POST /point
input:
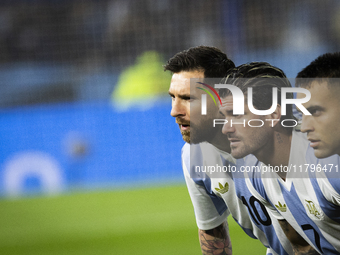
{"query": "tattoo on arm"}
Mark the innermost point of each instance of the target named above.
(300, 246)
(216, 241)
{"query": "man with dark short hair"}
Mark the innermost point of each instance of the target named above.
(322, 78)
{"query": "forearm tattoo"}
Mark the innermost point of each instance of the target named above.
(216, 241)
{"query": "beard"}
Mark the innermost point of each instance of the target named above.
(202, 131)
(186, 136)
(250, 145)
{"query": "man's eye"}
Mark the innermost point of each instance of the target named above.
(237, 115)
(316, 112)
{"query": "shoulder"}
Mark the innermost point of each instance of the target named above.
(191, 155)
(195, 150)
(328, 178)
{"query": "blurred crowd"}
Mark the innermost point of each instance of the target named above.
(108, 35)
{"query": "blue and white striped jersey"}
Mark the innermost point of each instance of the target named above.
(309, 198)
(216, 195)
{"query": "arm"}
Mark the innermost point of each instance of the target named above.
(215, 241)
(210, 211)
(300, 246)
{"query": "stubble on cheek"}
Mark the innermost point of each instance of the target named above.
(237, 151)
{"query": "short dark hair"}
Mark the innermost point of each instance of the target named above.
(211, 60)
(262, 77)
(324, 67)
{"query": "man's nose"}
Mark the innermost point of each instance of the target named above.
(177, 109)
(306, 125)
(227, 128)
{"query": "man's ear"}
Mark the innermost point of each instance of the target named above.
(275, 116)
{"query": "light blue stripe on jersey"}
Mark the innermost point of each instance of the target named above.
(195, 154)
(255, 177)
(333, 174)
(332, 164)
(310, 228)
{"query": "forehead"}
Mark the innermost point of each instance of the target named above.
(319, 90)
(180, 82)
(227, 103)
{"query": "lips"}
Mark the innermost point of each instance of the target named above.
(183, 125)
(313, 142)
(233, 141)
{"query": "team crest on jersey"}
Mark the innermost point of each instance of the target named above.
(281, 207)
(313, 210)
(222, 189)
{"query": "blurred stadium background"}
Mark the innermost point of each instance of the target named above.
(90, 157)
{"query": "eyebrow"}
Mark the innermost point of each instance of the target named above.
(311, 108)
(228, 112)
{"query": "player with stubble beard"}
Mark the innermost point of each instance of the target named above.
(198, 62)
(322, 78)
(287, 178)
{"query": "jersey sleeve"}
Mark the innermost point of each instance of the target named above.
(327, 175)
(210, 210)
(329, 179)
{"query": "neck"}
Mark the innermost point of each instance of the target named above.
(276, 154)
(221, 142)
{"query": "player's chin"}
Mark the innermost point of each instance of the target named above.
(236, 153)
(197, 138)
(186, 136)
(322, 153)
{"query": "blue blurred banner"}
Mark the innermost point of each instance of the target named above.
(63, 147)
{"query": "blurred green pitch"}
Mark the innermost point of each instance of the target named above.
(158, 220)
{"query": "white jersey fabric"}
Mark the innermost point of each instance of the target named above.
(215, 196)
(308, 199)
